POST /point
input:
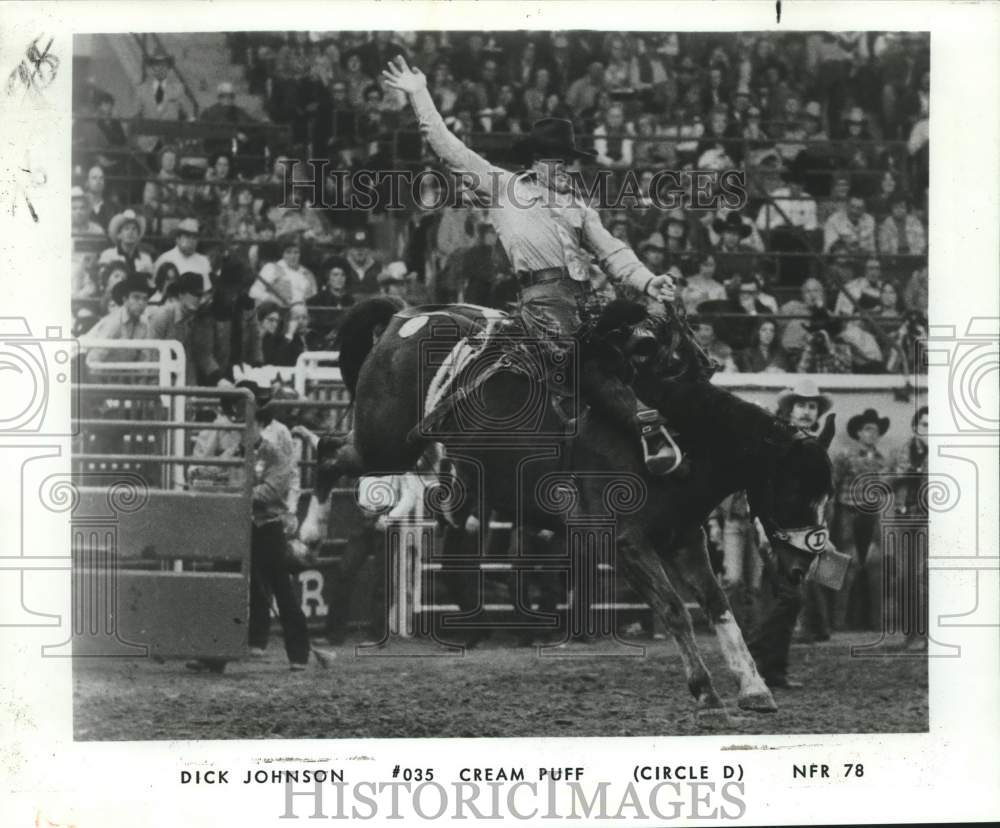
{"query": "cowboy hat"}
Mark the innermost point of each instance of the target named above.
(225, 88)
(859, 421)
(133, 283)
(550, 138)
(360, 238)
(190, 282)
(189, 226)
(732, 223)
(121, 219)
(394, 273)
(804, 389)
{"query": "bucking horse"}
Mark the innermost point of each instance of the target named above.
(541, 467)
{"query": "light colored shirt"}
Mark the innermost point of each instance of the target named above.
(274, 471)
(118, 325)
(286, 285)
(195, 263)
(698, 290)
(538, 229)
(839, 227)
(143, 261)
(847, 305)
(801, 211)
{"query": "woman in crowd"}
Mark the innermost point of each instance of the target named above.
(764, 353)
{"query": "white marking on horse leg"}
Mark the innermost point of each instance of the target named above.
(754, 693)
(317, 520)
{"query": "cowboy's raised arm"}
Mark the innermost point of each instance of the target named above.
(619, 262)
(456, 155)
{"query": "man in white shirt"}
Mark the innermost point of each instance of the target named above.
(286, 281)
(789, 205)
(184, 254)
(851, 225)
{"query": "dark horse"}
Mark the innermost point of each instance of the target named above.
(541, 476)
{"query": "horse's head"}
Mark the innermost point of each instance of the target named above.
(790, 495)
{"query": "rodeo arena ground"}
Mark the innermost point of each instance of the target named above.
(331, 480)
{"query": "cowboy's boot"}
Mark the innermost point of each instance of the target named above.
(660, 452)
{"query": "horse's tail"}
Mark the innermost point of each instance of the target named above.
(358, 331)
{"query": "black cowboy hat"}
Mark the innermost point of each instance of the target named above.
(859, 421)
(733, 223)
(190, 282)
(133, 283)
(551, 138)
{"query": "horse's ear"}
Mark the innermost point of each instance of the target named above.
(827, 432)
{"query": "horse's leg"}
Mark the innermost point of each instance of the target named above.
(690, 562)
(642, 568)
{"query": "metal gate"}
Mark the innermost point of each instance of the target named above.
(161, 564)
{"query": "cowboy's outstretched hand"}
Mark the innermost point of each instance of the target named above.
(400, 76)
(662, 287)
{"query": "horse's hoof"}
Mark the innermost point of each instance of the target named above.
(758, 702)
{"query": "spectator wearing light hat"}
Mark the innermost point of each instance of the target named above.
(286, 281)
(392, 281)
(81, 224)
(184, 254)
(365, 268)
(126, 229)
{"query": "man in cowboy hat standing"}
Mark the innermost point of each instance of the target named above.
(803, 406)
(127, 321)
(856, 470)
(184, 254)
(546, 230)
(126, 229)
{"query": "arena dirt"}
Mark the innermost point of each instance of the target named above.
(495, 690)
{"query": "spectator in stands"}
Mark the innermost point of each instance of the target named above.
(286, 281)
(216, 195)
(102, 207)
(702, 286)
(704, 334)
(272, 338)
(867, 353)
(334, 292)
(763, 353)
(583, 92)
(789, 204)
(297, 336)
(126, 320)
(392, 281)
(239, 220)
(186, 321)
(869, 285)
(851, 225)
(908, 349)
(734, 254)
(364, 267)
(110, 275)
(880, 205)
(795, 335)
(915, 293)
(151, 208)
(840, 189)
(184, 254)
(297, 215)
(652, 252)
(355, 78)
(825, 352)
(611, 139)
(857, 527)
(84, 273)
(225, 111)
(901, 233)
(890, 305)
(857, 150)
(104, 136)
(127, 229)
(81, 220)
(160, 98)
(719, 147)
(165, 282)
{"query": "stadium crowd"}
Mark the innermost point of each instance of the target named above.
(823, 271)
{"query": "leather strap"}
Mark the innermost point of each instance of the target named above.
(546, 274)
